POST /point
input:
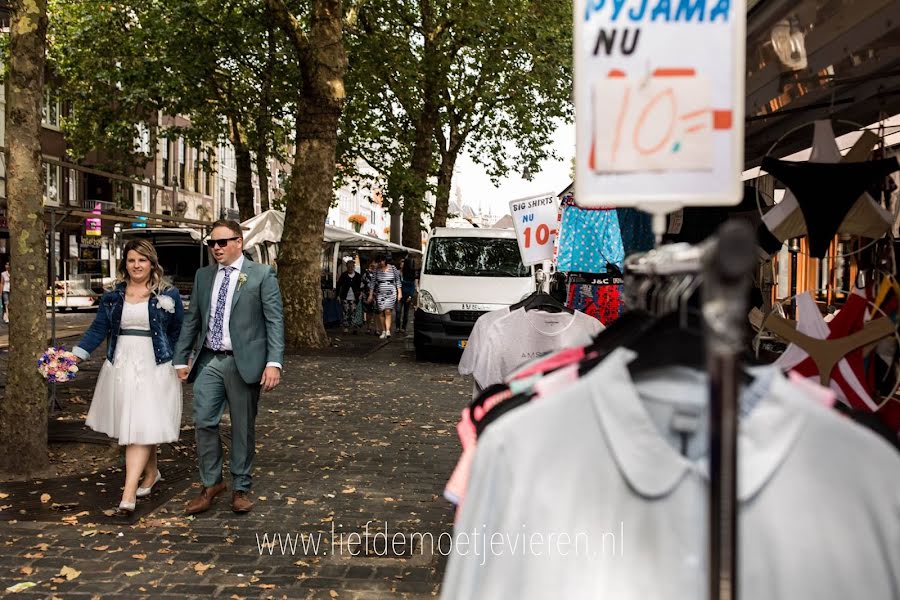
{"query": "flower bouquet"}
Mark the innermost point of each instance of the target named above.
(58, 365)
(357, 220)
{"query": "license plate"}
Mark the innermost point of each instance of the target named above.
(462, 343)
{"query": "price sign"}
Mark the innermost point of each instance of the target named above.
(659, 102)
(535, 223)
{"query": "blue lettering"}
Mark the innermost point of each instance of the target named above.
(592, 7)
(686, 10)
(527, 218)
(639, 15)
(723, 7)
(662, 9)
(617, 8)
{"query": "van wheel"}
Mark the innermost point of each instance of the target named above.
(424, 353)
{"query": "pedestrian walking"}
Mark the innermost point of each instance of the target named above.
(369, 310)
(137, 399)
(386, 293)
(4, 276)
(347, 291)
(408, 287)
(235, 331)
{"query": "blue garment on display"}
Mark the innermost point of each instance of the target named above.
(589, 239)
(637, 230)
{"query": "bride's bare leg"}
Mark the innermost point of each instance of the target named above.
(150, 469)
(136, 456)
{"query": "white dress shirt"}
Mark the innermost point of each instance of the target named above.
(226, 319)
(217, 285)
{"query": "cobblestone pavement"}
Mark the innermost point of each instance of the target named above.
(358, 439)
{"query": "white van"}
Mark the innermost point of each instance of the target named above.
(466, 273)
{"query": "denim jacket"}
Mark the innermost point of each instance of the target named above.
(165, 326)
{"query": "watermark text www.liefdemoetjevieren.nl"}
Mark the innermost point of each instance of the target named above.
(480, 542)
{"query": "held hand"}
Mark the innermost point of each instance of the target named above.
(270, 379)
(183, 374)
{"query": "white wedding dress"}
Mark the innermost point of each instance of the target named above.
(136, 401)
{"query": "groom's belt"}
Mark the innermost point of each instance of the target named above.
(219, 352)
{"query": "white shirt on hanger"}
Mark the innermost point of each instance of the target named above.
(586, 495)
(522, 336)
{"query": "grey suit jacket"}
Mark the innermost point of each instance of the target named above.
(256, 324)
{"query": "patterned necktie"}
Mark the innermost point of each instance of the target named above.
(217, 333)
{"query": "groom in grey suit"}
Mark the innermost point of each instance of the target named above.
(235, 330)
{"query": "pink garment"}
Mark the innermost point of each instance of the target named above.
(823, 395)
(455, 489)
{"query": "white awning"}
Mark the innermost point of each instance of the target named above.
(268, 227)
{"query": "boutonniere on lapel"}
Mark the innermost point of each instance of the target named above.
(166, 303)
(242, 279)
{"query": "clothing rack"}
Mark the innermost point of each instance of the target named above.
(724, 264)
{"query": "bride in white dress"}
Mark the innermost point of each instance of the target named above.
(138, 395)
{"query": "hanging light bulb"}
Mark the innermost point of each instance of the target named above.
(789, 43)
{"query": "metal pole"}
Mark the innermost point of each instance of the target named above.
(54, 401)
(728, 273)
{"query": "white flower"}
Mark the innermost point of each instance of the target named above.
(167, 303)
(242, 279)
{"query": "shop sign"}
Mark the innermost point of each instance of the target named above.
(535, 222)
(94, 227)
(659, 102)
(91, 242)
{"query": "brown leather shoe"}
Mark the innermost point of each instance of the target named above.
(204, 499)
(241, 502)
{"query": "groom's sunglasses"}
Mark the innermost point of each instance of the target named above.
(220, 243)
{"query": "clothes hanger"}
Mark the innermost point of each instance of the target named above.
(539, 300)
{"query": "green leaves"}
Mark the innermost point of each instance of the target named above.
(121, 62)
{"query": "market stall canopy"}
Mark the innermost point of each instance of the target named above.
(809, 60)
(268, 227)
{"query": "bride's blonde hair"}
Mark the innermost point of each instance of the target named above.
(158, 282)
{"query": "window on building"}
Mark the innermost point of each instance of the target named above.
(142, 139)
(165, 161)
(51, 184)
(72, 179)
(182, 164)
(197, 169)
(232, 203)
(50, 111)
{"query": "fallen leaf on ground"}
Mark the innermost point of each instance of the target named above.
(45, 498)
(101, 548)
(3, 496)
(22, 585)
(201, 568)
(26, 570)
(139, 556)
(348, 490)
(333, 594)
(69, 573)
(132, 573)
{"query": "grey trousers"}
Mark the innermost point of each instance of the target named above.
(218, 382)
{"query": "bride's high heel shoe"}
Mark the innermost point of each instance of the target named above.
(143, 492)
(126, 508)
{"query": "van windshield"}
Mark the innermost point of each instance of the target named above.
(475, 257)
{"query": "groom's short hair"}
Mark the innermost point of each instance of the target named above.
(234, 226)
